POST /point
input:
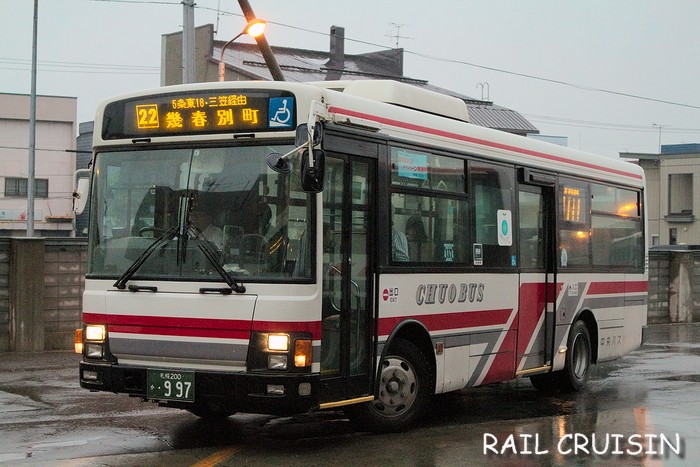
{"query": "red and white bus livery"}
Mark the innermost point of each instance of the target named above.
(279, 248)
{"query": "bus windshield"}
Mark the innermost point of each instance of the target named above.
(255, 220)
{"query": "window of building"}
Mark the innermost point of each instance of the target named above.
(16, 187)
(680, 193)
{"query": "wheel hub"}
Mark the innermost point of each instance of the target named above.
(398, 387)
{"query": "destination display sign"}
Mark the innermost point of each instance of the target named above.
(200, 112)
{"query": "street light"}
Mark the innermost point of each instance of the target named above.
(254, 28)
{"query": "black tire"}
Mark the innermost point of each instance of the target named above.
(403, 395)
(578, 359)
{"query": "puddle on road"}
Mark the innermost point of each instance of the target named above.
(684, 378)
(14, 403)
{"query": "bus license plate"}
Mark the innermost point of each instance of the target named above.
(171, 385)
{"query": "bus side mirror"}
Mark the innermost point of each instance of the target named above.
(312, 176)
(81, 190)
(302, 134)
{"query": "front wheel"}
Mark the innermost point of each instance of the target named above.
(404, 391)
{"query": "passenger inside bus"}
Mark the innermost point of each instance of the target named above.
(419, 247)
(399, 245)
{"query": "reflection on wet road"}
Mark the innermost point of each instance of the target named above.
(645, 403)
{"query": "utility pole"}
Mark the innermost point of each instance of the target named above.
(188, 70)
(264, 47)
(32, 129)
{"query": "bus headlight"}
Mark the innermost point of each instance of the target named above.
(94, 350)
(95, 333)
(277, 351)
(277, 362)
(278, 342)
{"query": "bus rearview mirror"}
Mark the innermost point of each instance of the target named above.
(312, 176)
(302, 134)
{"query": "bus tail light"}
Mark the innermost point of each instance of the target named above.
(302, 353)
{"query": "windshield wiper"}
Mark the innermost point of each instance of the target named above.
(205, 247)
(136, 265)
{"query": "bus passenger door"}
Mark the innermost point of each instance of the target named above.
(347, 279)
(537, 295)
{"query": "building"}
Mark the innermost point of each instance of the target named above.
(54, 164)
(673, 185)
(245, 62)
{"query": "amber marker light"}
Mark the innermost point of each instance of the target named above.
(78, 341)
(302, 353)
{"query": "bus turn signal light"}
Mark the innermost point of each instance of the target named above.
(78, 341)
(302, 353)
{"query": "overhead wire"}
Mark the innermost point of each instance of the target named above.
(135, 69)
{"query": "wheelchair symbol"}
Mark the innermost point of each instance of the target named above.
(281, 109)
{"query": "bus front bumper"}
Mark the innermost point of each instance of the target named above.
(274, 394)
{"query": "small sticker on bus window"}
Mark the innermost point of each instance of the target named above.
(448, 252)
(505, 233)
(478, 254)
(412, 165)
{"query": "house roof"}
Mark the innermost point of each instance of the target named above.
(303, 65)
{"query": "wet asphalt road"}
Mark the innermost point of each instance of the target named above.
(632, 409)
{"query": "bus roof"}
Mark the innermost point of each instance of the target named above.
(412, 114)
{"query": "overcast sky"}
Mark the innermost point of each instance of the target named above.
(611, 75)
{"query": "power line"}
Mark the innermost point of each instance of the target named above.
(426, 56)
(607, 125)
(78, 67)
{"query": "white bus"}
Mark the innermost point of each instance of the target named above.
(280, 248)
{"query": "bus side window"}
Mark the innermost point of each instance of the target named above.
(492, 187)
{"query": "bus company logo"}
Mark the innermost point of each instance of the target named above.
(429, 294)
(391, 294)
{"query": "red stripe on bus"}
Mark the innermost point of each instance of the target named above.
(202, 327)
(483, 142)
(600, 288)
(443, 321)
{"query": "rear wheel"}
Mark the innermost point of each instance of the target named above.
(577, 365)
(403, 394)
(578, 358)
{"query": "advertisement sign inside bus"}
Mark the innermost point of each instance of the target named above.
(202, 112)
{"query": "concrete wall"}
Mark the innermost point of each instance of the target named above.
(41, 287)
(674, 286)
